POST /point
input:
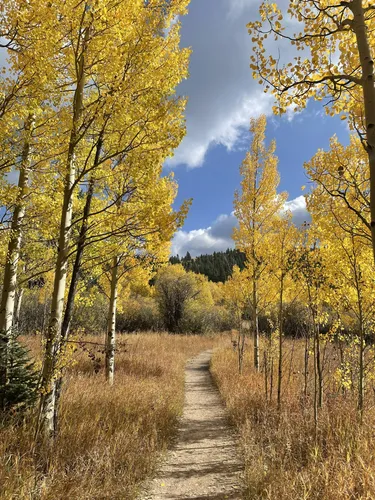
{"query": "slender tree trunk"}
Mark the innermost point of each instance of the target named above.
(306, 366)
(111, 330)
(265, 355)
(17, 313)
(367, 66)
(44, 319)
(361, 377)
(80, 246)
(68, 314)
(315, 385)
(361, 350)
(46, 418)
(280, 370)
(319, 367)
(255, 325)
(8, 295)
(241, 347)
(69, 308)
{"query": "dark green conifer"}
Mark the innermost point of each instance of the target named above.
(20, 389)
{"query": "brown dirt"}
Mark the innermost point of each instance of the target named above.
(203, 464)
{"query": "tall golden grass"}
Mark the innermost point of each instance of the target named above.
(286, 457)
(109, 437)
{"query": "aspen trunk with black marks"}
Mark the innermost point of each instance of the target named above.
(110, 343)
(17, 313)
(367, 65)
(68, 314)
(80, 246)
(69, 308)
(280, 367)
(45, 430)
(8, 294)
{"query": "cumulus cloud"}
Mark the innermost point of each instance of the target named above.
(222, 93)
(298, 209)
(215, 238)
(218, 236)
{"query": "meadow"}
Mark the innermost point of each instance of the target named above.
(109, 437)
(286, 455)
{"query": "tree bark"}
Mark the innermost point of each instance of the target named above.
(8, 295)
(46, 418)
(17, 312)
(111, 330)
(367, 66)
(69, 309)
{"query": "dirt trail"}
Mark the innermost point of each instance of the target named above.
(203, 464)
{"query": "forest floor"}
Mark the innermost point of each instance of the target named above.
(203, 464)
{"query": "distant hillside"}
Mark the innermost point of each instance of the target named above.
(217, 266)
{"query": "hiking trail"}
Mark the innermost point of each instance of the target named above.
(203, 464)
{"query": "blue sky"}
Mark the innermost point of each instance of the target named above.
(222, 99)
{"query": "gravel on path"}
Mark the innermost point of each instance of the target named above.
(203, 464)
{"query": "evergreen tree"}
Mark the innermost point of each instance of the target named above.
(20, 389)
(218, 267)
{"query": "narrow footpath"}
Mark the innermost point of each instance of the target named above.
(203, 464)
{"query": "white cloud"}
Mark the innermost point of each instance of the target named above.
(298, 209)
(215, 238)
(222, 93)
(227, 131)
(218, 237)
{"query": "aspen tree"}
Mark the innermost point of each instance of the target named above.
(309, 270)
(8, 293)
(237, 296)
(338, 66)
(281, 244)
(147, 242)
(340, 208)
(255, 208)
(120, 30)
(342, 187)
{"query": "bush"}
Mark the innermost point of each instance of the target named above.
(139, 314)
(199, 318)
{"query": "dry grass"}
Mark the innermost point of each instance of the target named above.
(285, 458)
(109, 437)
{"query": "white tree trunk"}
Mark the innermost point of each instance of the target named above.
(46, 419)
(8, 295)
(17, 313)
(111, 330)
